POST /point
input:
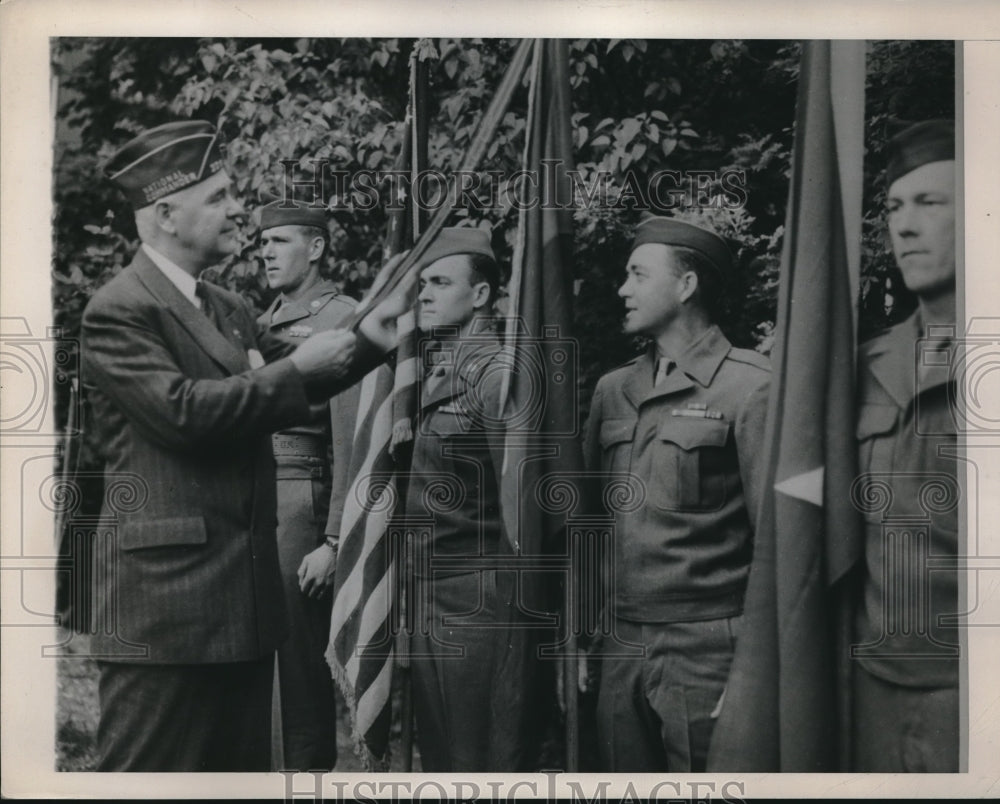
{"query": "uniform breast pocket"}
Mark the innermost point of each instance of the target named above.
(452, 440)
(689, 465)
(616, 444)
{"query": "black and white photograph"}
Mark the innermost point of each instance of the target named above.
(478, 416)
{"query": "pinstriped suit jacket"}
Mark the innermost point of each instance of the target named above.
(193, 574)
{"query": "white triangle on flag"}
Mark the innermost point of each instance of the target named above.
(807, 486)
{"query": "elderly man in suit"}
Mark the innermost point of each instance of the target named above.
(686, 418)
(312, 460)
(906, 679)
(185, 400)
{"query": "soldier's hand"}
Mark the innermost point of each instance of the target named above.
(400, 300)
(381, 278)
(379, 324)
(328, 353)
(317, 570)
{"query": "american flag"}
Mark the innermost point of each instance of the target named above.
(361, 650)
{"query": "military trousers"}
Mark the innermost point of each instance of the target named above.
(308, 735)
(901, 729)
(656, 712)
(453, 654)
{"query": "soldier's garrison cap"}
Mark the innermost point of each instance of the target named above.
(281, 212)
(165, 159)
(917, 145)
(673, 232)
(461, 240)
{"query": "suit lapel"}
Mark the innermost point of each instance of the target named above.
(228, 355)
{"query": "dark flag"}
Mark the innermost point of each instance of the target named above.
(785, 705)
(542, 456)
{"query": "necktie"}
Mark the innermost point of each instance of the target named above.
(663, 366)
(207, 308)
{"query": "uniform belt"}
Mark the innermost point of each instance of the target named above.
(306, 446)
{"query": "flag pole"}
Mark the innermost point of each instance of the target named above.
(418, 134)
(359, 665)
(477, 149)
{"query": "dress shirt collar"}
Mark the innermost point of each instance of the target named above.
(184, 282)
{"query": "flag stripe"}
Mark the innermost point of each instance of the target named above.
(361, 652)
(373, 702)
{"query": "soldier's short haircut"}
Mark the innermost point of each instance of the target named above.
(309, 232)
(485, 269)
(709, 294)
(313, 231)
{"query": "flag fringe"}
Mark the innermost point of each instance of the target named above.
(369, 761)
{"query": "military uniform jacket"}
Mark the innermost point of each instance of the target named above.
(192, 572)
(907, 445)
(693, 446)
(458, 450)
(291, 322)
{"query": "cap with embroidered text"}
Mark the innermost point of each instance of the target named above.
(165, 159)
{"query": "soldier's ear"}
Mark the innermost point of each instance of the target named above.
(480, 295)
(689, 284)
(316, 248)
(163, 216)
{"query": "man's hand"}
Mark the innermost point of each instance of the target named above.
(327, 353)
(379, 325)
(582, 680)
(316, 571)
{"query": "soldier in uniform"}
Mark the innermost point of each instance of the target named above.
(906, 689)
(686, 419)
(458, 648)
(312, 461)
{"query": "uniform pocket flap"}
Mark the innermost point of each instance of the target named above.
(875, 419)
(615, 431)
(689, 432)
(172, 532)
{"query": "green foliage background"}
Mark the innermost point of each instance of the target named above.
(638, 106)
